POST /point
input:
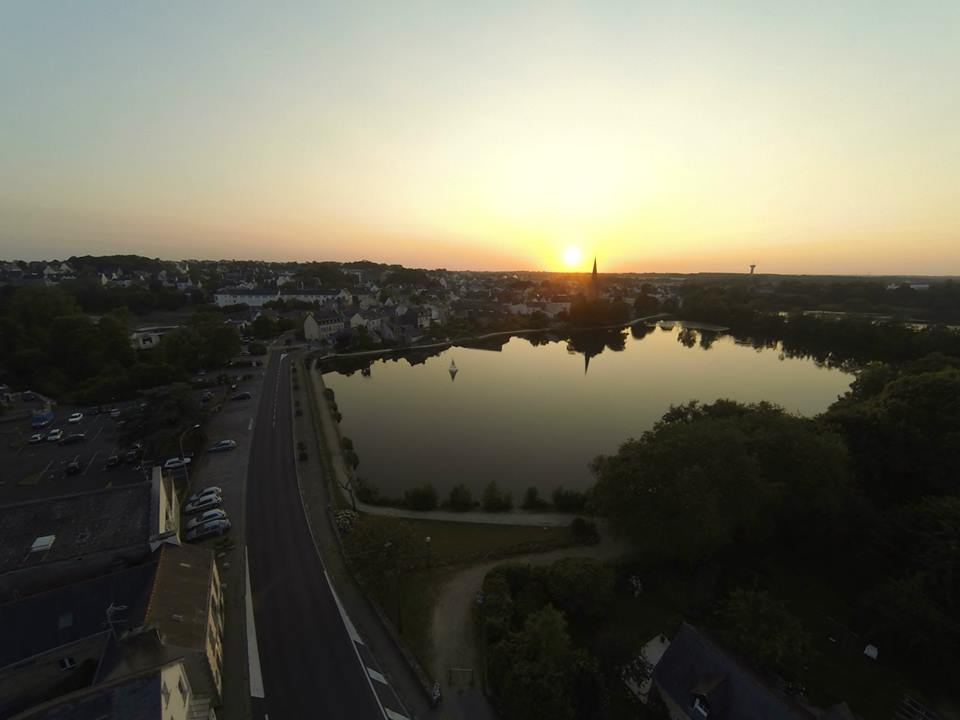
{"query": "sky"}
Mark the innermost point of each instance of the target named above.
(805, 137)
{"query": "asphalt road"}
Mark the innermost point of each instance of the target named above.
(309, 663)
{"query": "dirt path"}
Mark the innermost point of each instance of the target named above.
(453, 631)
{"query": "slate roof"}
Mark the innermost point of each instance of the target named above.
(57, 617)
(83, 523)
(135, 697)
(694, 664)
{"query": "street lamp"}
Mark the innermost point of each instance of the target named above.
(186, 471)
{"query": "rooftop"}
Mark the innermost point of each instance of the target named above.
(134, 696)
(178, 605)
(694, 665)
(58, 617)
(80, 524)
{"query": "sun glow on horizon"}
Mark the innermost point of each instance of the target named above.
(572, 256)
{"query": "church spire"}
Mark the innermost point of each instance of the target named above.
(594, 268)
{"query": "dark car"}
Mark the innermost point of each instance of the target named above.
(92, 411)
(113, 461)
(131, 456)
(74, 466)
(241, 396)
(72, 439)
(209, 529)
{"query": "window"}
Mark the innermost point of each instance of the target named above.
(65, 620)
(67, 663)
(182, 687)
(165, 691)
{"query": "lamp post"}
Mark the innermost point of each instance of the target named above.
(186, 471)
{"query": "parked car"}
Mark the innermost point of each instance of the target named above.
(115, 413)
(74, 466)
(131, 456)
(223, 445)
(113, 461)
(213, 490)
(206, 517)
(73, 438)
(241, 396)
(176, 462)
(54, 435)
(210, 529)
(36, 437)
(207, 502)
(75, 418)
(92, 410)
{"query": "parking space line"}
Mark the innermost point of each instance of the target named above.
(90, 464)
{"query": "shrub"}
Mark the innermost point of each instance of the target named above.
(422, 497)
(461, 499)
(346, 443)
(495, 499)
(584, 531)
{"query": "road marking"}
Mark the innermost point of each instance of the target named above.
(351, 630)
(250, 426)
(90, 464)
(394, 715)
(253, 652)
(99, 430)
(377, 676)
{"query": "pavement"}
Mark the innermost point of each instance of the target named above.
(305, 656)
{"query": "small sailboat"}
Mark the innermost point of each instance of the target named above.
(453, 370)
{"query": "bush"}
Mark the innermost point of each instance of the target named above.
(584, 531)
(569, 501)
(461, 499)
(422, 497)
(346, 443)
(532, 500)
(495, 499)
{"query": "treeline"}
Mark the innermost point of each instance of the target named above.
(863, 499)
(829, 340)
(48, 343)
(940, 302)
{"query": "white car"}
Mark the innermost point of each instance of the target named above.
(205, 517)
(37, 437)
(207, 502)
(223, 445)
(115, 413)
(210, 529)
(54, 435)
(214, 490)
(75, 418)
(176, 462)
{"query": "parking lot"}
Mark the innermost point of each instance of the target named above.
(32, 470)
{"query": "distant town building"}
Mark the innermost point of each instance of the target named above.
(147, 338)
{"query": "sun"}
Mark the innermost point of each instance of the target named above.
(572, 256)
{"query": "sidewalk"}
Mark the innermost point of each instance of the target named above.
(316, 497)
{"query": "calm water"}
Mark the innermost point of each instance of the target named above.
(536, 415)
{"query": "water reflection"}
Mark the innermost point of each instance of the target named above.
(533, 410)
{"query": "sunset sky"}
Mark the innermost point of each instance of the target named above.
(818, 137)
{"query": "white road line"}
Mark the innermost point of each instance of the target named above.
(90, 464)
(351, 630)
(377, 676)
(253, 652)
(99, 430)
(250, 426)
(394, 715)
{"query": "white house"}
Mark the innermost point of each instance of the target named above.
(147, 338)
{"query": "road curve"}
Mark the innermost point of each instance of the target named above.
(309, 664)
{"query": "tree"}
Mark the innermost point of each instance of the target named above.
(423, 497)
(263, 327)
(460, 499)
(535, 673)
(581, 587)
(532, 500)
(495, 499)
(707, 473)
(761, 629)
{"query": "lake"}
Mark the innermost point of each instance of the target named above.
(534, 413)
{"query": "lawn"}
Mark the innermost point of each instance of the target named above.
(454, 543)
